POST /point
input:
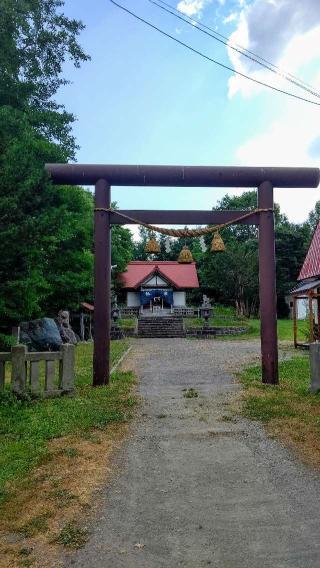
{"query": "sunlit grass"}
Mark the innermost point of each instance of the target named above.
(289, 410)
(27, 425)
(285, 327)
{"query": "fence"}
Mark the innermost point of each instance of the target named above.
(186, 312)
(25, 371)
(126, 312)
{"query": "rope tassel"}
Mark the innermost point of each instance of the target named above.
(152, 246)
(217, 244)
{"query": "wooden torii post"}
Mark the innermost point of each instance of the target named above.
(105, 176)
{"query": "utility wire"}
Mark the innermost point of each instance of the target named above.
(295, 81)
(241, 49)
(210, 58)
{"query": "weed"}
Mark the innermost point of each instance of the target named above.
(26, 551)
(35, 525)
(62, 497)
(227, 418)
(190, 393)
(26, 562)
(203, 418)
(72, 536)
(161, 416)
(70, 452)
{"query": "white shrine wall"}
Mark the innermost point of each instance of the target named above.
(179, 299)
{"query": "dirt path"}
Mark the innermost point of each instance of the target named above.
(193, 487)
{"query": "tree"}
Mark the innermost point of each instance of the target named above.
(46, 231)
(233, 276)
(36, 39)
(314, 217)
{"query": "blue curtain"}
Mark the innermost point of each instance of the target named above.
(147, 295)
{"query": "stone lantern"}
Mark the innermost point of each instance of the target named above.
(115, 314)
(116, 331)
(206, 310)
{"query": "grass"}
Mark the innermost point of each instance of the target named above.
(27, 426)
(216, 321)
(190, 393)
(285, 328)
(72, 536)
(36, 525)
(289, 410)
(128, 323)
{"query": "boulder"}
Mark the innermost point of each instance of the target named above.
(40, 335)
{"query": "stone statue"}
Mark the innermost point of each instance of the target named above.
(65, 329)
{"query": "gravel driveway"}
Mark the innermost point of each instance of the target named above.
(195, 488)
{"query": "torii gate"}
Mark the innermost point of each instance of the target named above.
(105, 176)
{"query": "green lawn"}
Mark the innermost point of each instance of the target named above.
(289, 410)
(285, 327)
(265, 402)
(128, 323)
(27, 426)
(217, 321)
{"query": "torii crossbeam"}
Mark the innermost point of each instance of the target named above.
(105, 176)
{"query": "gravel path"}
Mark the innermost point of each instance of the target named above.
(195, 488)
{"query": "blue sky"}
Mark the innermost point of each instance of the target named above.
(144, 99)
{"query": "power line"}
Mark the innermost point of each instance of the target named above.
(210, 58)
(191, 22)
(234, 46)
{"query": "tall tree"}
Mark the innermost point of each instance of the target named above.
(233, 276)
(45, 230)
(36, 38)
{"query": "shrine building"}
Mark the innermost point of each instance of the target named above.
(158, 285)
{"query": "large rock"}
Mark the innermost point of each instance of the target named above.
(40, 335)
(66, 332)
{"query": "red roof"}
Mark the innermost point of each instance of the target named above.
(178, 275)
(311, 265)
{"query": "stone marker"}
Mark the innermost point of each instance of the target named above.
(19, 375)
(315, 366)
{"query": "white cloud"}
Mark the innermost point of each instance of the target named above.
(191, 7)
(231, 18)
(289, 141)
(285, 33)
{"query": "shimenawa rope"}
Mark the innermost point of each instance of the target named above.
(183, 232)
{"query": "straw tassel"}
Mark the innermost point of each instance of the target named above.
(217, 244)
(185, 256)
(152, 246)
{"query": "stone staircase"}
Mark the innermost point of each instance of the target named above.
(164, 326)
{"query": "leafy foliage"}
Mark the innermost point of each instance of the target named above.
(36, 39)
(46, 260)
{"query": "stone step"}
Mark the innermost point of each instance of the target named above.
(143, 324)
(152, 336)
(161, 327)
(161, 335)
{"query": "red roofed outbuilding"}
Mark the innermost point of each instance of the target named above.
(306, 295)
(160, 284)
(311, 265)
